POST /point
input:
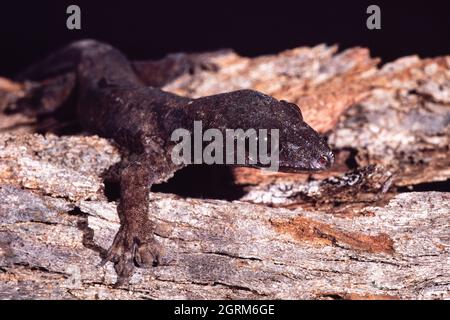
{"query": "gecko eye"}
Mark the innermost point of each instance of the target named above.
(293, 107)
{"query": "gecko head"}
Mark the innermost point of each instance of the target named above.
(300, 147)
(297, 147)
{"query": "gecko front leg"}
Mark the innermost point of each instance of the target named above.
(134, 244)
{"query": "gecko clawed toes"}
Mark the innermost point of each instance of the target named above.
(148, 254)
(132, 249)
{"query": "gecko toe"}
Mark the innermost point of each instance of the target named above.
(124, 268)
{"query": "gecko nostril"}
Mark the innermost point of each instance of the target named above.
(323, 161)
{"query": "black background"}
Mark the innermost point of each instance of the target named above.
(147, 29)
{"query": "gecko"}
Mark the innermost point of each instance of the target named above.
(123, 101)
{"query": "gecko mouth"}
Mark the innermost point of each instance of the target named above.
(322, 162)
(288, 169)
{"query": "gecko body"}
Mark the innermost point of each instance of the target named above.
(117, 101)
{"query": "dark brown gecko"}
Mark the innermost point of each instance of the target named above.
(120, 100)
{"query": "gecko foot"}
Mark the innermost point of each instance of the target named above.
(130, 249)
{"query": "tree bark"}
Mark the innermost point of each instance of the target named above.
(55, 223)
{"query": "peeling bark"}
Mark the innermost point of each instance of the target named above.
(397, 115)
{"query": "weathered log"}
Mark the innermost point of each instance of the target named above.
(55, 224)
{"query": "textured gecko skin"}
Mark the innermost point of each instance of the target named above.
(115, 99)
